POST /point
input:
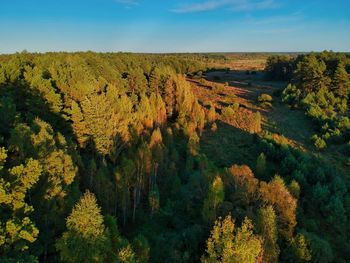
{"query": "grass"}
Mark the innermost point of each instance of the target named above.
(229, 145)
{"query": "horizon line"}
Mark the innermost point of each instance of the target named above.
(169, 52)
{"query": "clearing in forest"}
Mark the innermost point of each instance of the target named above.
(230, 144)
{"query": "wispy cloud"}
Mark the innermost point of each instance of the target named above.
(234, 5)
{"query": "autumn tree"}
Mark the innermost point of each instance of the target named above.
(227, 244)
(276, 194)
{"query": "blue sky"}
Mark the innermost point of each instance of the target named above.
(174, 25)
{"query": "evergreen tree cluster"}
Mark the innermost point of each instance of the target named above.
(320, 85)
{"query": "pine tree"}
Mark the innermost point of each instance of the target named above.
(107, 117)
(311, 74)
(169, 97)
(154, 80)
(85, 239)
(301, 248)
(216, 195)
(79, 127)
(341, 81)
(267, 226)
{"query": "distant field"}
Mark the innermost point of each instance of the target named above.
(240, 61)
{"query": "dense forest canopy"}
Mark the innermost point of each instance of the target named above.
(101, 161)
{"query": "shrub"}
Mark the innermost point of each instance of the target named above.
(202, 81)
(266, 105)
(228, 113)
(235, 106)
(319, 142)
(265, 98)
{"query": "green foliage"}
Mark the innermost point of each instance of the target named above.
(319, 142)
(279, 67)
(294, 189)
(301, 248)
(85, 238)
(341, 81)
(321, 86)
(321, 250)
(310, 74)
(227, 244)
(216, 195)
(261, 165)
(7, 114)
(142, 248)
(267, 226)
(129, 129)
(17, 230)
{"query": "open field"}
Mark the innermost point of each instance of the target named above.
(224, 88)
(241, 61)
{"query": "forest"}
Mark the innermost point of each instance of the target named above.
(123, 157)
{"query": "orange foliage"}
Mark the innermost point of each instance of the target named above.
(246, 120)
(277, 194)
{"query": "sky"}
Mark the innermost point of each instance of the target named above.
(160, 26)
